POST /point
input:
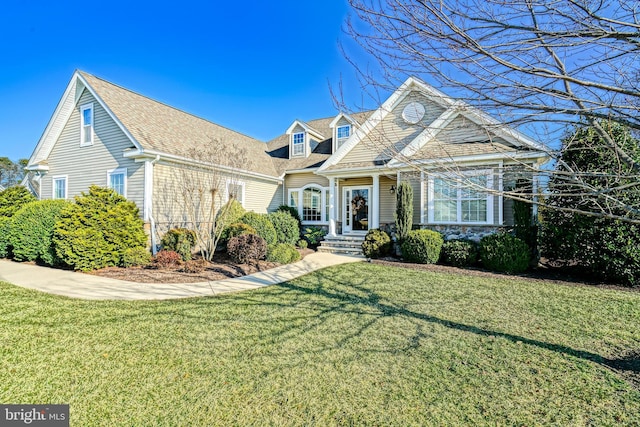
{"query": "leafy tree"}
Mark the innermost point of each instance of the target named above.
(11, 173)
(609, 248)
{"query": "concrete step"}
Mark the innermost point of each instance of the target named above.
(346, 245)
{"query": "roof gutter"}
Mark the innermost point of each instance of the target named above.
(142, 155)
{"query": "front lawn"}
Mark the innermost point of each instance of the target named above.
(358, 344)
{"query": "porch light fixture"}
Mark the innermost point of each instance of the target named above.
(392, 189)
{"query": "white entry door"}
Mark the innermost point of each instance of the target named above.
(355, 212)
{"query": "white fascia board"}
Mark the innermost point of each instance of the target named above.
(307, 129)
(37, 168)
(474, 158)
(386, 107)
(293, 171)
(431, 131)
(335, 121)
(60, 116)
(109, 112)
(143, 155)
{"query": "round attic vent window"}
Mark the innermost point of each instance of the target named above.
(413, 113)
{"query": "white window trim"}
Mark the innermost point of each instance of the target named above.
(116, 172)
(324, 220)
(456, 177)
(241, 184)
(66, 186)
(337, 140)
(83, 108)
(304, 144)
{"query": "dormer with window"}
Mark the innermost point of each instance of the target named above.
(301, 137)
(342, 127)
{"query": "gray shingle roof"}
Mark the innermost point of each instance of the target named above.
(279, 146)
(159, 127)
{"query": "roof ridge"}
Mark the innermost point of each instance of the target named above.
(169, 106)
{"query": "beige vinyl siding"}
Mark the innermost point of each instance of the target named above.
(393, 133)
(88, 165)
(387, 200)
(259, 195)
(299, 180)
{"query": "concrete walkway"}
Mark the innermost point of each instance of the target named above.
(86, 286)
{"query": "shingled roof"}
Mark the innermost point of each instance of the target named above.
(279, 146)
(162, 128)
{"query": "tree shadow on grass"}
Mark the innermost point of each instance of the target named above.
(345, 297)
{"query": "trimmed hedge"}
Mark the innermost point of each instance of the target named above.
(32, 228)
(14, 198)
(422, 246)
(5, 229)
(247, 248)
(283, 253)
(459, 253)
(503, 252)
(376, 243)
(263, 226)
(181, 240)
(287, 228)
(95, 231)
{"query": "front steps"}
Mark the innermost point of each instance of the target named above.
(342, 245)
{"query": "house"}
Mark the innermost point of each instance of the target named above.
(340, 172)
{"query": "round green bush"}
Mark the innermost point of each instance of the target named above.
(303, 244)
(376, 243)
(136, 257)
(422, 246)
(5, 230)
(247, 248)
(263, 226)
(14, 198)
(287, 229)
(459, 253)
(238, 229)
(95, 231)
(32, 230)
(282, 253)
(230, 213)
(504, 253)
(181, 240)
(292, 211)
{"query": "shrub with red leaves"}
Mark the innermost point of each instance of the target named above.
(247, 248)
(167, 259)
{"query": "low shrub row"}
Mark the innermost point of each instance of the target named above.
(500, 252)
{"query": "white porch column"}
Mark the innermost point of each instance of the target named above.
(375, 202)
(332, 206)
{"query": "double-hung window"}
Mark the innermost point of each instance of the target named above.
(298, 144)
(342, 134)
(86, 124)
(117, 180)
(464, 199)
(59, 187)
(235, 190)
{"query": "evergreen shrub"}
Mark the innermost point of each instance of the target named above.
(287, 228)
(376, 243)
(181, 240)
(505, 253)
(459, 253)
(282, 253)
(262, 225)
(247, 248)
(422, 246)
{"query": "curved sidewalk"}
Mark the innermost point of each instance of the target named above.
(86, 286)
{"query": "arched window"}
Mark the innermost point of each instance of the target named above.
(311, 202)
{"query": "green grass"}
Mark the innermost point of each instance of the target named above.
(358, 344)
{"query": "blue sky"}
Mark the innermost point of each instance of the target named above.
(253, 66)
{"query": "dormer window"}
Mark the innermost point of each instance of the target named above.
(342, 134)
(298, 144)
(86, 125)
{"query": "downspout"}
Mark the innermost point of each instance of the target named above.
(152, 221)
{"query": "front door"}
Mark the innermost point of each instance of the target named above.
(355, 215)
